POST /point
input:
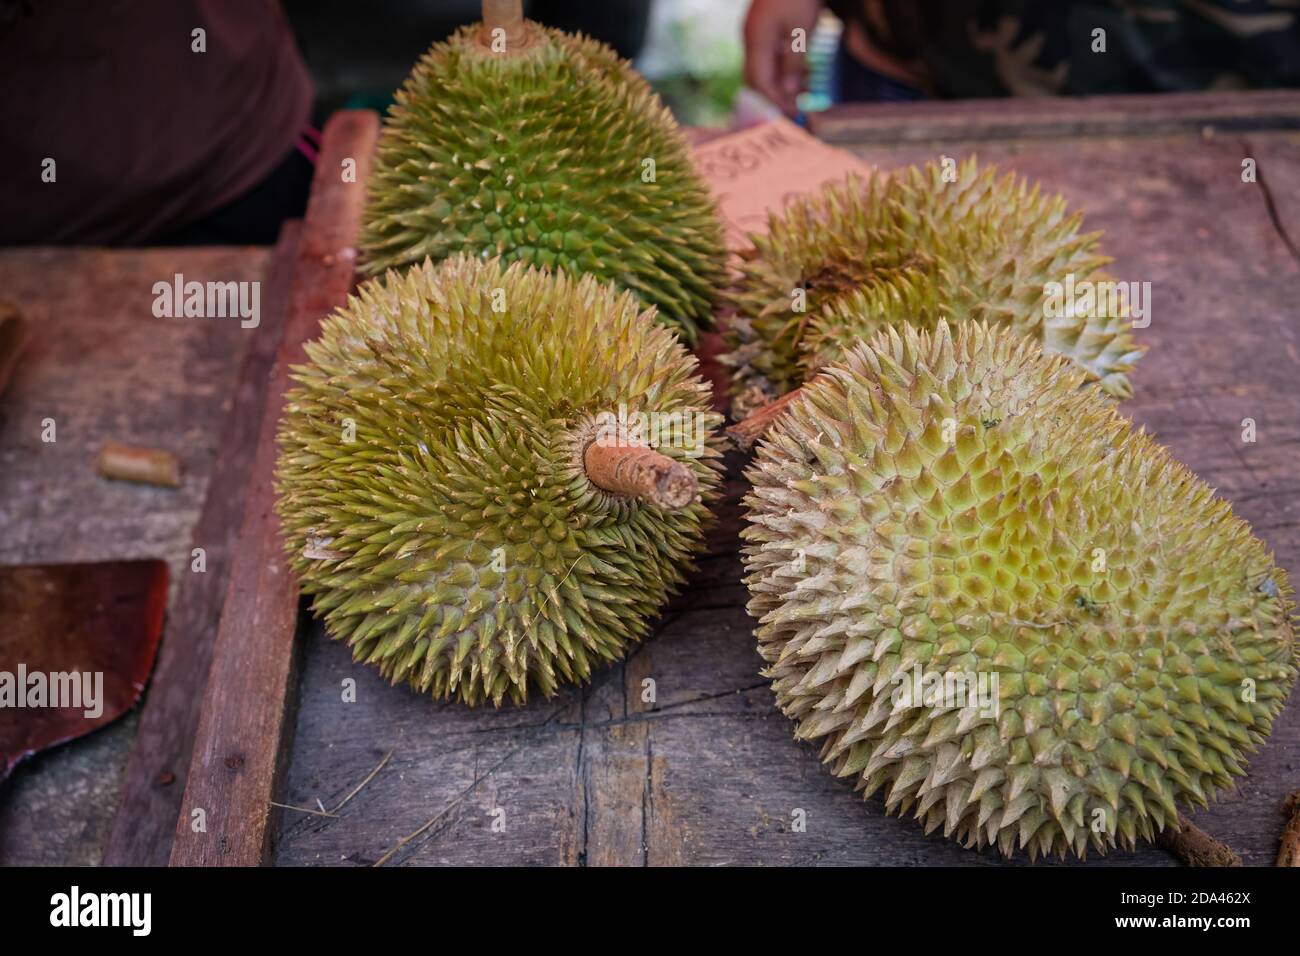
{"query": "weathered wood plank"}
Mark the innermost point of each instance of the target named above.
(154, 781)
(1052, 117)
(710, 773)
(102, 366)
(238, 748)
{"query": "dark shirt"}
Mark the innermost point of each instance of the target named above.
(1026, 47)
(147, 135)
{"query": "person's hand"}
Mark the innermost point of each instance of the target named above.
(771, 65)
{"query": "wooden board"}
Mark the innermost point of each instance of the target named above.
(709, 773)
(226, 816)
(1052, 117)
(102, 366)
(154, 780)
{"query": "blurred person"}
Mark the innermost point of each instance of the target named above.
(157, 141)
(155, 136)
(913, 49)
(359, 66)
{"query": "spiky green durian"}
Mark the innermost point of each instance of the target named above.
(907, 246)
(930, 507)
(556, 153)
(432, 486)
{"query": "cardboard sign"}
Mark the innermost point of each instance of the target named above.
(760, 168)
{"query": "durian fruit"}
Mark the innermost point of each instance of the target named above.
(907, 246)
(549, 149)
(932, 507)
(465, 480)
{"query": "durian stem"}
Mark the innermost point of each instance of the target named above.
(749, 431)
(1194, 846)
(507, 15)
(1288, 854)
(640, 472)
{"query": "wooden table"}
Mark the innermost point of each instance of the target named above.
(102, 366)
(709, 773)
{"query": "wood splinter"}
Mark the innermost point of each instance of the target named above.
(1288, 853)
(146, 466)
(1194, 846)
(747, 433)
(640, 472)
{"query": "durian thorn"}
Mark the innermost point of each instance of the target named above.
(640, 472)
(746, 433)
(506, 15)
(317, 548)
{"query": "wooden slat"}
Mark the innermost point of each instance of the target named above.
(240, 740)
(154, 782)
(970, 121)
(104, 367)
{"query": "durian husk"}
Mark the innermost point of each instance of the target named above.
(555, 153)
(432, 486)
(906, 246)
(959, 504)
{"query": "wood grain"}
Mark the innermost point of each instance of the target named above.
(154, 780)
(1055, 117)
(238, 748)
(102, 366)
(708, 773)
